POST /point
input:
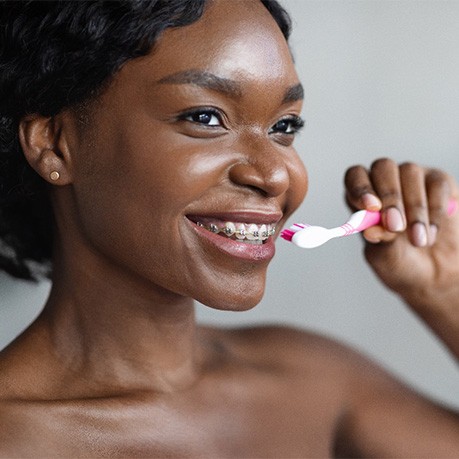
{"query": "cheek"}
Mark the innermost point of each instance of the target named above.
(298, 182)
(132, 200)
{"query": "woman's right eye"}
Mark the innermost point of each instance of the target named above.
(203, 117)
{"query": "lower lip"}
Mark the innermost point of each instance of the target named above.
(241, 250)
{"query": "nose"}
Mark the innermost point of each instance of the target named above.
(262, 168)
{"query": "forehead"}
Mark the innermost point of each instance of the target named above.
(237, 39)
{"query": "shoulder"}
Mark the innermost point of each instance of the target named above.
(374, 413)
(286, 342)
(293, 349)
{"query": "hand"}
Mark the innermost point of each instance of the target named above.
(415, 249)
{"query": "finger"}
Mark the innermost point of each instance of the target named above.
(377, 234)
(385, 177)
(412, 177)
(359, 189)
(438, 193)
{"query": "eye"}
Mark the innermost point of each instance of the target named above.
(206, 117)
(290, 125)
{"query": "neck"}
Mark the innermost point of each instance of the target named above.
(112, 327)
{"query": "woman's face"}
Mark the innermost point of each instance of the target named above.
(196, 138)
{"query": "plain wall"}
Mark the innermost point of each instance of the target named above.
(381, 78)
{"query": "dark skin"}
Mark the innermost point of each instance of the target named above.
(115, 365)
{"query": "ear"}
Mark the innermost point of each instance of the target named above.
(46, 148)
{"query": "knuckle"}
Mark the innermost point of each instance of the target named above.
(390, 195)
(437, 177)
(435, 211)
(357, 181)
(418, 208)
(410, 168)
(353, 172)
(383, 163)
(359, 190)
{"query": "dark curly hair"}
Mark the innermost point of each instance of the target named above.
(59, 54)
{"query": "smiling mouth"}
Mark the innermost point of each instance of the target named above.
(249, 233)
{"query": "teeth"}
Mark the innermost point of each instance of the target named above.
(240, 231)
(250, 233)
(253, 233)
(229, 229)
(264, 232)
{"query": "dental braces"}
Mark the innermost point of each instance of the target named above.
(252, 233)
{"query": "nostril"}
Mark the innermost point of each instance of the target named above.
(269, 177)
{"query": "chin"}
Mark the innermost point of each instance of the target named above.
(241, 299)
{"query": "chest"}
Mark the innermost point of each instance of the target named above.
(234, 423)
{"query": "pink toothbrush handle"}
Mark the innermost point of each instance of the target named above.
(373, 218)
(359, 221)
(369, 219)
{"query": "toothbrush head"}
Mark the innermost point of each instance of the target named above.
(287, 234)
(312, 237)
(306, 236)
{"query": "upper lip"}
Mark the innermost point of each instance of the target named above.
(255, 217)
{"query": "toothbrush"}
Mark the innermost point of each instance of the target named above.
(309, 237)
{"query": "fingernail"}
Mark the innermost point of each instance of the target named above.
(433, 234)
(394, 220)
(419, 234)
(371, 202)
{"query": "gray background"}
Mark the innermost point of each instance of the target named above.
(381, 79)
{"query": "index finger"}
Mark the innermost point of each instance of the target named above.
(385, 177)
(360, 193)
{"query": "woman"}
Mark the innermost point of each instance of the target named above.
(158, 136)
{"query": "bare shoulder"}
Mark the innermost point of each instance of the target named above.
(373, 414)
(291, 347)
(318, 370)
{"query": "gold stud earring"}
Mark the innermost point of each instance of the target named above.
(54, 176)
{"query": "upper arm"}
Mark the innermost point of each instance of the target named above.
(383, 418)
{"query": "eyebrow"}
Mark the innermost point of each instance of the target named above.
(293, 94)
(225, 85)
(205, 80)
